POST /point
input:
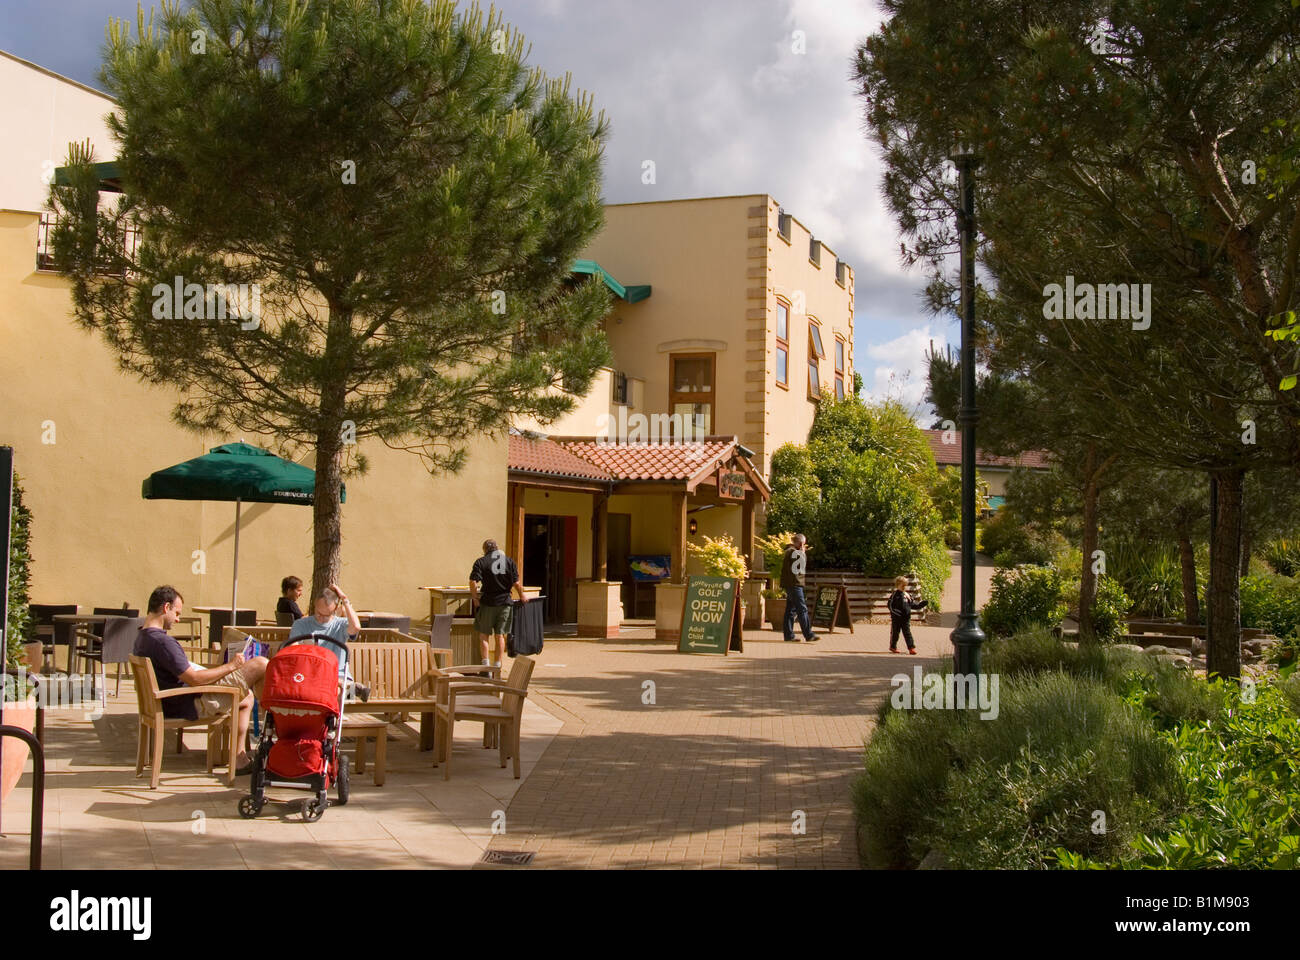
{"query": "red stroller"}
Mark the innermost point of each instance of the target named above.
(299, 746)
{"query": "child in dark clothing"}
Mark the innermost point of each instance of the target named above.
(900, 615)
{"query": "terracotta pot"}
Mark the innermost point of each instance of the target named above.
(775, 612)
(15, 751)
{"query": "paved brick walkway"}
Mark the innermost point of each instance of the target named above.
(715, 771)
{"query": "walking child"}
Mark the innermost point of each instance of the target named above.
(900, 615)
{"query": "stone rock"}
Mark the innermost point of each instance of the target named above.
(1198, 646)
(934, 860)
(1127, 647)
(1156, 650)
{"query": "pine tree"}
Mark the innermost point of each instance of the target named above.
(386, 199)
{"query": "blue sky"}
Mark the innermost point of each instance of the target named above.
(714, 94)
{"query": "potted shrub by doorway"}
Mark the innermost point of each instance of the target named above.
(774, 601)
(720, 557)
(19, 711)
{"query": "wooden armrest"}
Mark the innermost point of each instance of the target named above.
(482, 688)
(180, 691)
(484, 681)
(472, 668)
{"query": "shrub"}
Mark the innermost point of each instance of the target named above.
(906, 766)
(1240, 771)
(1151, 574)
(1110, 605)
(1011, 542)
(1271, 602)
(773, 546)
(1008, 793)
(19, 628)
(1036, 650)
(720, 557)
(1023, 597)
(1283, 556)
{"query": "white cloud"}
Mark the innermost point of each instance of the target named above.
(900, 369)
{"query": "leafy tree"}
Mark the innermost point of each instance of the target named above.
(861, 491)
(401, 192)
(18, 627)
(1117, 138)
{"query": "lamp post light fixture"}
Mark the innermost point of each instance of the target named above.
(967, 638)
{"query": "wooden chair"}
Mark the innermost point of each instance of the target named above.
(154, 726)
(401, 678)
(493, 703)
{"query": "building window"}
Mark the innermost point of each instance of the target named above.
(691, 391)
(816, 353)
(782, 344)
(839, 368)
(620, 388)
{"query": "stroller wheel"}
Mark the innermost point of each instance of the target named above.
(343, 784)
(313, 810)
(249, 807)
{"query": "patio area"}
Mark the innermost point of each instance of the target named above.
(99, 815)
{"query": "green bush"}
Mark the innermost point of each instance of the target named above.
(1240, 770)
(861, 491)
(19, 628)
(1011, 542)
(1007, 793)
(1151, 573)
(1024, 597)
(1283, 556)
(1271, 602)
(1037, 650)
(1110, 605)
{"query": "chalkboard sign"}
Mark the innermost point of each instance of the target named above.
(831, 608)
(708, 615)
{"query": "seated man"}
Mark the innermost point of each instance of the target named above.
(341, 629)
(173, 669)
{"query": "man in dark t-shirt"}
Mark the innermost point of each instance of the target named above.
(491, 581)
(174, 670)
(794, 563)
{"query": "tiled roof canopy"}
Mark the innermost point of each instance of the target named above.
(591, 460)
(536, 455)
(949, 454)
(651, 461)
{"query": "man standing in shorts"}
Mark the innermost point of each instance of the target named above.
(491, 581)
(173, 669)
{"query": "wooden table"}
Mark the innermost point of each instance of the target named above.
(453, 600)
(361, 728)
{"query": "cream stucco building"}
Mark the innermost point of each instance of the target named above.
(730, 317)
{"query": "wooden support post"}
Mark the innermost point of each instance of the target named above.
(679, 536)
(599, 535)
(747, 529)
(515, 523)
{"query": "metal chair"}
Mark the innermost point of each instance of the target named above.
(400, 624)
(218, 620)
(117, 646)
(284, 618)
(43, 615)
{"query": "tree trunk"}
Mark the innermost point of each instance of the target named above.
(1191, 602)
(1246, 546)
(327, 512)
(1088, 579)
(1223, 597)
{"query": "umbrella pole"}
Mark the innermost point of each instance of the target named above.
(234, 587)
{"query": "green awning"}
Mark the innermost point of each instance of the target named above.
(632, 294)
(110, 178)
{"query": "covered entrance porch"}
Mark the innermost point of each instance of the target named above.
(632, 508)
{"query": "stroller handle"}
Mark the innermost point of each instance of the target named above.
(319, 640)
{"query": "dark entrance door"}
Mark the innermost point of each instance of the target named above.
(545, 555)
(618, 545)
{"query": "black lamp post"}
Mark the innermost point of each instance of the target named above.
(967, 638)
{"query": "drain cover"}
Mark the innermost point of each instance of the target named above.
(513, 858)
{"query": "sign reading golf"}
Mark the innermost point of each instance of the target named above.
(708, 615)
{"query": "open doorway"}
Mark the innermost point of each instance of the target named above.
(550, 564)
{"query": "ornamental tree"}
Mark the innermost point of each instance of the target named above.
(395, 195)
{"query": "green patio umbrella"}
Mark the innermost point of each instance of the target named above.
(238, 472)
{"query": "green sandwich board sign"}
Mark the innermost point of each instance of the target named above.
(709, 616)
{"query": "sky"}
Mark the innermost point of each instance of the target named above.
(714, 93)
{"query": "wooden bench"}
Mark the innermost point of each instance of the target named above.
(401, 679)
(362, 728)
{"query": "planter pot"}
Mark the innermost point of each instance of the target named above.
(15, 751)
(775, 612)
